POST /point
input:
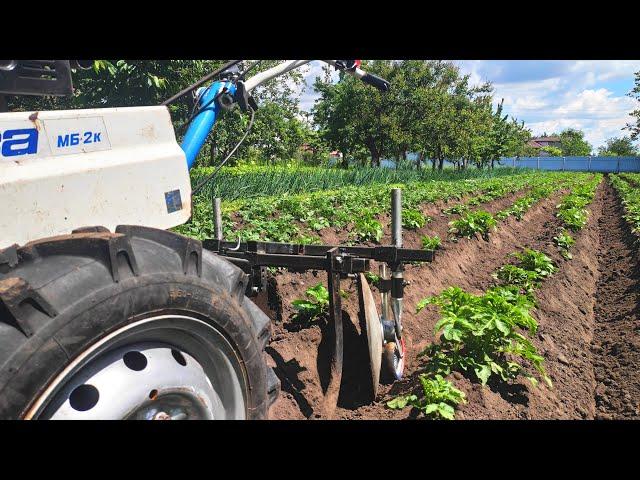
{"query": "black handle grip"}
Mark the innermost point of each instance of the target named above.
(375, 81)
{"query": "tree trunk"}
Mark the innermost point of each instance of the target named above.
(419, 160)
(440, 163)
(375, 154)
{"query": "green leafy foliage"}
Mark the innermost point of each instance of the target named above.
(474, 222)
(628, 186)
(367, 229)
(526, 280)
(413, 219)
(431, 243)
(564, 241)
(438, 398)
(618, 147)
(522, 205)
(537, 262)
(456, 209)
(483, 334)
(317, 304)
(372, 278)
(298, 218)
(574, 218)
(572, 210)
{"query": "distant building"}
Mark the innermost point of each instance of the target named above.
(541, 142)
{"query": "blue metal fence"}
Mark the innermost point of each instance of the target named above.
(576, 164)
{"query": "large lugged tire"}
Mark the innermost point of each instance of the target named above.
(141, 323)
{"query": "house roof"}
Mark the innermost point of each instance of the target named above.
(545, 139)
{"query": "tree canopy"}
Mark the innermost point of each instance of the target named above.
(618, 147)
(634, 127)
(572, 143)
(431, 109)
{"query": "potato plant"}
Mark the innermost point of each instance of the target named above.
(564, 241)
(315, 306)
(483, 334)
(627, 187)
(437, 398)
(474, 222)
(431, 243)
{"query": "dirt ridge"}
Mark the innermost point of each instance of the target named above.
(616, 342)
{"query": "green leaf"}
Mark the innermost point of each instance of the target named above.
(401, 401)
(446, 411)
(483, 372)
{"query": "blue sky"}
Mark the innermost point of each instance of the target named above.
(549, 95)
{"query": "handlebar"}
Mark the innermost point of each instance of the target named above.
(209, 100)
(375, 81)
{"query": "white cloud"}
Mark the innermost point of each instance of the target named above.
(572, 95)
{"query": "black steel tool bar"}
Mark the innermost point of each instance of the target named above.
(389, 254)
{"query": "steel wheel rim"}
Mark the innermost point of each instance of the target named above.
(162, 367)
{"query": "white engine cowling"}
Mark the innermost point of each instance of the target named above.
(63, 170)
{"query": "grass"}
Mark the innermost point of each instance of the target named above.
(254, 181)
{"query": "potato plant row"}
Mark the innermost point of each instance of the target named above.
(487, 335)
(299, 218)
(628, 187)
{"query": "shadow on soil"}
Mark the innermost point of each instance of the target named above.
(288, 372)
(355, 387)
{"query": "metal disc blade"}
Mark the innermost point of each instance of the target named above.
(374, 332)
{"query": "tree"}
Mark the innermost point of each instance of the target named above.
(634, 127)
(352, 116)
(618, 147)
(572, 143)
(504, 137)
(552, 151)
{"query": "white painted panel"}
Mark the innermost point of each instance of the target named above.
(134, 174)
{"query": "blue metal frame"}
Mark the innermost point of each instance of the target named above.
(204, 120)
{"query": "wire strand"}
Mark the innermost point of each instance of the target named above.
(210, 177)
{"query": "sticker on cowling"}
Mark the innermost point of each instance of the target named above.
(76, 135)
(173, 201)
(21, 140)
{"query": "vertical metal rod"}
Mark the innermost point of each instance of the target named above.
(217, 218)
(538, 163)
(396, 217)
(564, 161)
(589, 167)
(397, 273)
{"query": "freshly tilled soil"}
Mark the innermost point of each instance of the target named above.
(616, 340)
